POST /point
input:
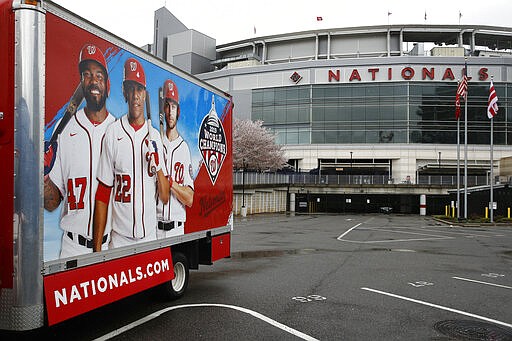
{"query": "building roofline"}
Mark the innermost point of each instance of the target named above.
(424, 29)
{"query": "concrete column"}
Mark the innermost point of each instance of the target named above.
(292, 202)
(423, 204)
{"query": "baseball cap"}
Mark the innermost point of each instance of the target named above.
(133, 71)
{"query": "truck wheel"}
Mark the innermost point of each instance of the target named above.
(176, 287)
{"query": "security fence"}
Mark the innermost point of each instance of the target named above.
(255, 178)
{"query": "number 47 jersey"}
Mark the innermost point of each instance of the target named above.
(74, 171)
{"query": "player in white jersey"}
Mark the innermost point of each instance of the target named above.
(71, 162)
(129, 164)
(172, 215)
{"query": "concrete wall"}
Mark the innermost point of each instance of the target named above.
(260, 200)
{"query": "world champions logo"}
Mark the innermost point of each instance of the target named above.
(212, 143)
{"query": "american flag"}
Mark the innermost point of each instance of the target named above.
(462, 91)
(492, 107)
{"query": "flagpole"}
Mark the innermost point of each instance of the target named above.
(492, 166)
(458, 168)
(492, 175)
(466, 144)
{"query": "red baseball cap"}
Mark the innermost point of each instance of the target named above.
(171, 91)
(133, 71)
(92, 52)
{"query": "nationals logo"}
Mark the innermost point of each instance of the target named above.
(212, 143)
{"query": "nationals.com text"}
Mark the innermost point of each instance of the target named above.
(110, 282)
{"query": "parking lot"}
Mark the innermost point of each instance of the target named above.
(331, 277)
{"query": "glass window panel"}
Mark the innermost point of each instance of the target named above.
(292, 137)
(400, 90)
(386, 91)
(280, 96)
(304, 114)
(331, 92)
(304, 136)
(344, 113)
(400, 136)
(318, 92)
(292, 114)
(372, 136)
(268, 115)
(280, 136)
(344, 136)
(257, 97)
(358, 113)
(318, 113)
(318, 137)
(331, 113)
(400, 112)
(331, 136)
(292, 94)
(345, 91)
(372, 91)
(372, 113)
(268, 96)
(304, 95)
(280, 114)
(358, 92)
(257, 114)
(358, 136)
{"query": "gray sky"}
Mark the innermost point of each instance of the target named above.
(232, 20)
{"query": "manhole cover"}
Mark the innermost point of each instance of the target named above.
(473, 330)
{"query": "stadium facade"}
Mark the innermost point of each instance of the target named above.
(375, 100)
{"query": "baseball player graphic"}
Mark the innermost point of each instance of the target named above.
(129, 164)
(172, 215)
(71, 161)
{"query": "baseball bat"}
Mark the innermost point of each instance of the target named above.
(150, 146)
(74, 103)
(161, 110)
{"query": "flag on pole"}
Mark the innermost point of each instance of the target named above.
(462, 91)
(492, 107)
(319, 18)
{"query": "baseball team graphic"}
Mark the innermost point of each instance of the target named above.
(172, 215)
(133, 152)
(212, 143)
(72, 155)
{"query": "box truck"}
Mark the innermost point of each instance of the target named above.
(116, 169)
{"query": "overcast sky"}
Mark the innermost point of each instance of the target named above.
(232, 20)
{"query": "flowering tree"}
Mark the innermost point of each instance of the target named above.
(254, 146)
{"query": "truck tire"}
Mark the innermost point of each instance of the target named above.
(176, 288)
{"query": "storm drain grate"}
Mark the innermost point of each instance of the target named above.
(473, 330)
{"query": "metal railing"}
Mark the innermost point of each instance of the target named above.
(254, 178)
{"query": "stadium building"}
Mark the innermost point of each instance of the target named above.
(373, 100)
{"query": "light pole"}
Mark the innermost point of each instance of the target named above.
(350, 175)
(244, 209)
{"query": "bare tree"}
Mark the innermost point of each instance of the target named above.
(254, 146)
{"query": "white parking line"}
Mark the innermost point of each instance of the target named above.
(430, 236)
(480, 282)
(244, 310)
(348, 231)
(465, 234)
(440, 307)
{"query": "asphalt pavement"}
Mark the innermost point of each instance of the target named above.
(330, 277)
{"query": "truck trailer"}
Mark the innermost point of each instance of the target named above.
(116, 169)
